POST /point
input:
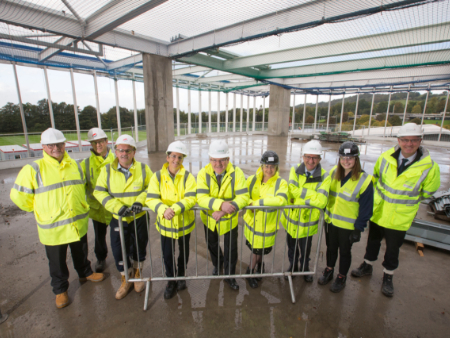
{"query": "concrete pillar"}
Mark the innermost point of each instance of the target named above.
(158, 102)
(279, 109)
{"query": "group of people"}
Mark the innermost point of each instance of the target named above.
(64, 194)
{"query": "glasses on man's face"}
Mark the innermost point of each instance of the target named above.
(175, 157)
(219, 160)
(97, 143)
(52, 146)
(347, 158)
(270, 166)
(407, 140)
(128, 151)
(311, 158)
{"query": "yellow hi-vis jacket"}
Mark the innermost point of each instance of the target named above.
(92, 167)
(113, 191)
(397, 198)
(179, 194)
(233, 189)
(272, 193)
(56, 193)
(312, 191)
(343, 207)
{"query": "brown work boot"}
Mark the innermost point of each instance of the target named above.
(62, 300)
(95, 277)
(124, 288)
(138, 286)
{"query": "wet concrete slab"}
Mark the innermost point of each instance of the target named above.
(420, 307)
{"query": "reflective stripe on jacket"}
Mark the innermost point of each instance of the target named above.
(397, 198)
(343, 207)
(233, 189)
(92, 167)
(56, 193)
(272, 193)
(180, 194)
(113, 191)
(302, 191)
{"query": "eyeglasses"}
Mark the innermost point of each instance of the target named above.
(52, 146)
(221, 160)
(413, 141)
(128, 151)
(310, 158)
(347, 158)
(96, 143)
(175, 157)
(270, 166)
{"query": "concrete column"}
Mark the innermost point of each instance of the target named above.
(158, 102)
(279, 109)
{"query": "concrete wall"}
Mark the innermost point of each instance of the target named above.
(158, 102)
(279, 109)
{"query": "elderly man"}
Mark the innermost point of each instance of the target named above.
(404, 175)
(101, 155)
(54, 189)
(122, 189)
(309, 184)
(222, 188)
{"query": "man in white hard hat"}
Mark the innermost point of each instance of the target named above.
(404, 175)
(101, 155)
(54, 189)
(222, 188)
(309, 184)
(122, 189)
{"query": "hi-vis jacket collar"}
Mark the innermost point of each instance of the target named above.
(66, 159)
(116, 162)
(316, 177)
(421, 153)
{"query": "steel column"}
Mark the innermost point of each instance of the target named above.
(200, 111)
(293, 113)
(209, 110)
(264, 112)
(242, 112)
(136, 128)
(226, 112)
(304, 113)
(356, 114)
(387, 113)
(315, 115)
(406, 104)
(254, 113)
(189, 111)
(75, 109)
(371, 111)
(119, 124)
(443, 117)
(218, 112)
(49, 99)
(234, 112)
(97, 101)
(425, 105)
(329, 108)
(22, 113)
(177, 95)
(248, 114)
(342, 112)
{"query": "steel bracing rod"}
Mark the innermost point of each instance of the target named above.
(425, 105)
(218, 112)
(304, 113)
(119, 125)
(371, 111)
(242, 112)
(387, 112)
(443, 116)
(75, 109)
(209, 110)
(264, 112)
(189, 110)
(342, 112)
(226, 112)
(22, 113)
(248, 113)
(254, 114)
(97, 100)
(315, 115)
(406, 104)
(234, 112)
(136, 125)
(177, 94)
(328, 113)
(49, 99)
(199, 111)
(356, 114)
(293, 112)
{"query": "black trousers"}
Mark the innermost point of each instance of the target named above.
(100, 249)
(394, 240)
(168, 250)
(212, 238)
(338, 239)
(130, 235)
(303, 250)
(57, 255)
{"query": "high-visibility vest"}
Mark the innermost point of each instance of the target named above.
(343, 207)
(92, 167)
(233, 189)
(179, 194)
(261, 227)
(397, 198)
(313, 192)
(114, 191)
(55, 191)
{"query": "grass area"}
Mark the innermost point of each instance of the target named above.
(446, 122)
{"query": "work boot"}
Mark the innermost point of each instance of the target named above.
(232, 283)
(388, 287)
(338, 284)
(100, 266)
(62, 300)
(181, 285)
(138, 286)
(95, 277)
(125, 286)
(290, 270)
(363, 270)
(259, 269)
(251, 281)
(171, 289)
(216, 270)
(326, 277)
(307, 278)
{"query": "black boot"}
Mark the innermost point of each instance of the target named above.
(338, 284)
(217, 270)
(326, 277)
(259, 269)
(251, 281)
(171, 289)
(307, 278)
(100, 266)
(290, 270)
(388, 287)
(181, 285)
(232, 283)
(363, 270)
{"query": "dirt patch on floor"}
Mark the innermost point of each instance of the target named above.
(10, 211)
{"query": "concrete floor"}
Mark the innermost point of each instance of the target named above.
(420, 307)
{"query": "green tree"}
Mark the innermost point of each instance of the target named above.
(417, 109)
(395, 120)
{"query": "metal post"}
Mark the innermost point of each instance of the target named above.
(371, 111)
(304, 114)
(22, 114)
(425, 105)
(218, 112)
(329, 108)
(177, 94)
(242, 112)
(293, 113)
(254, 113)
(234, 112)
(97, 101)
(119, 124)
(226, 112)
(133, 82)
(387, 112)
(443, 117)
(315, 115)
(209, 110)
(264, 112)
(49, 99)
(199, 111)
(406, 105)
(342, 112)
(248, 113)
(189, 110)
(356, 114)
(75, 109)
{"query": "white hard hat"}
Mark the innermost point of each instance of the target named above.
(410, 129)
(52, 136)
(177, 147)
(218, 149)
(312, 147)
(96, 134)
(126, 139)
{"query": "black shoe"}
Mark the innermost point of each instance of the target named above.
(290, 270)
(308, 278)
(251, 281)
(181, 285)
(363, 270)
(171, 289)
(326, 277)
(217, 270)
(338, 284)
(259, 269)
(388, 287)
(100, 266)
(232, 283)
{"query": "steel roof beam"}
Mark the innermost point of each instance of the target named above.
(129, 61)
(189, 70)
(50, 51)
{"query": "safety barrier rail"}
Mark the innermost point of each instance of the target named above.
(204, 271)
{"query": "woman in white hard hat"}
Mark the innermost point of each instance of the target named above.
(266, 188)
(171, 195)
(350, 206)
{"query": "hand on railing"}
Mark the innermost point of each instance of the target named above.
(227, 207)
(217, 215)
(169, 214)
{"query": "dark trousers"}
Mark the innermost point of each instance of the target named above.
(100, 249)
(130, 236)
(303, 250)
(338, 239)
(59, 272)
(212, 238)
(394, 240)
(168, 250)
